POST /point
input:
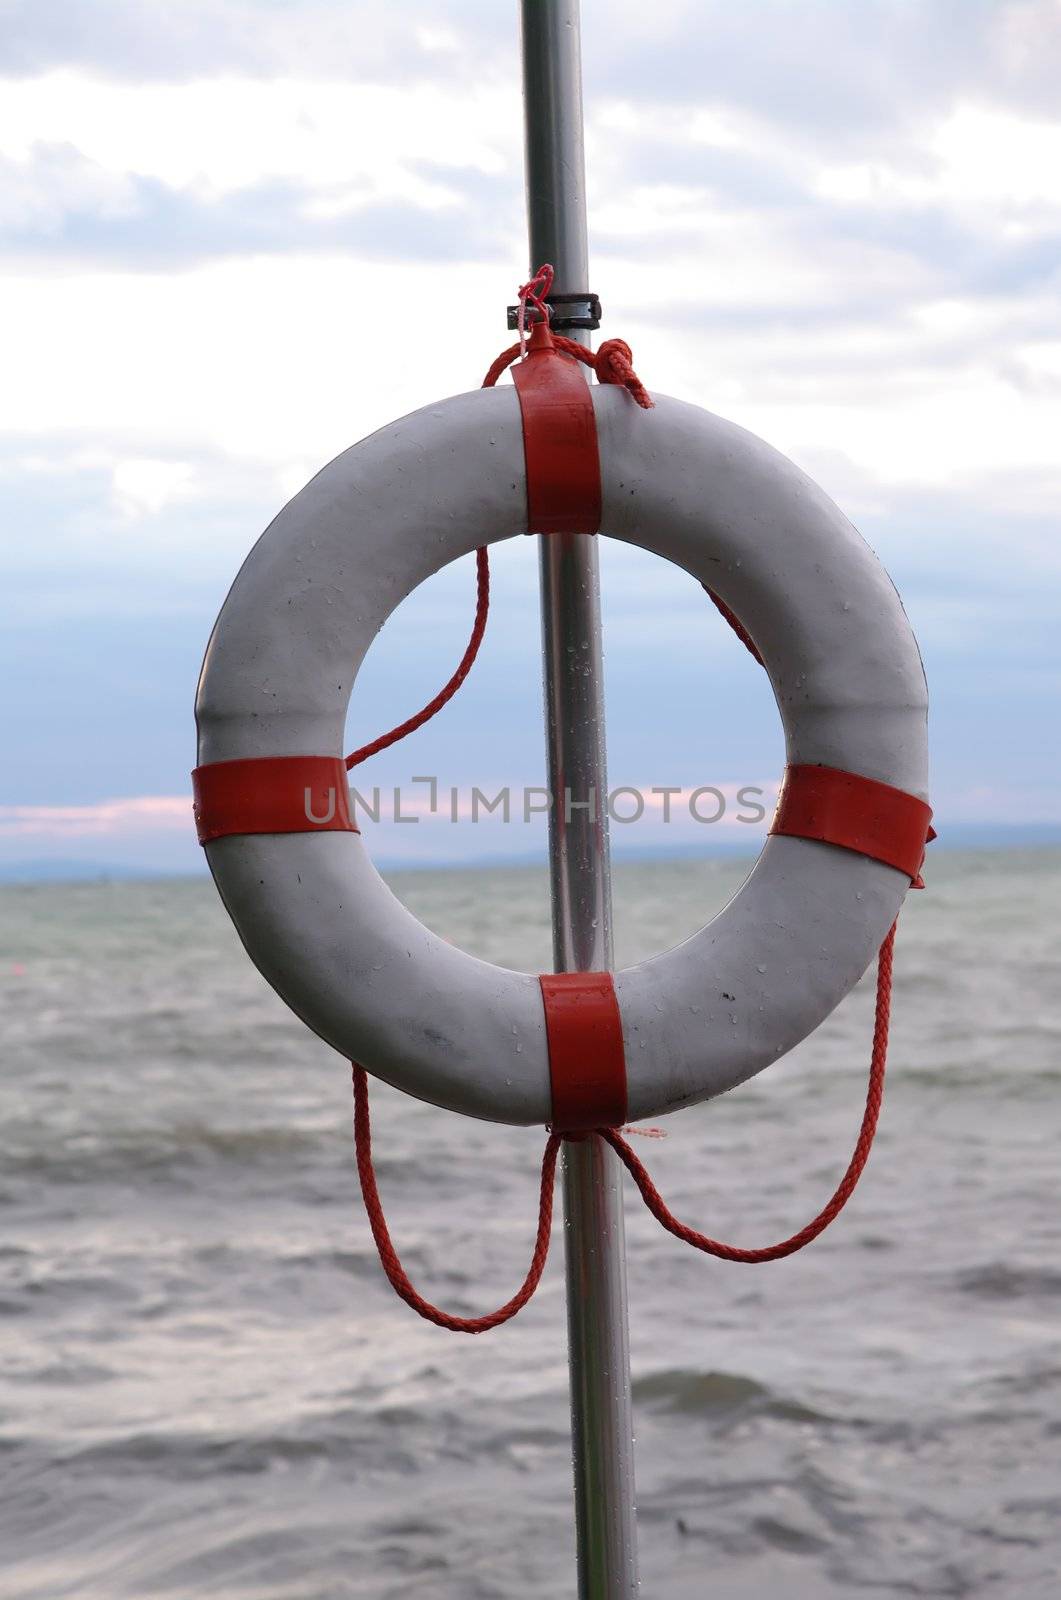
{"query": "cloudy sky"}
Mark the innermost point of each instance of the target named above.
(239, 234)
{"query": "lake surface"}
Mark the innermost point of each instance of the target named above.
(207, 1387)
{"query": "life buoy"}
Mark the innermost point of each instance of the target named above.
(295, 875)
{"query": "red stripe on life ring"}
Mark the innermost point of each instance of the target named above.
(272, 794)
(856, 813)
(587, 1063)
(559, 440)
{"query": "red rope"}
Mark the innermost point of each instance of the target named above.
(467, 661)
(402, 1286)
(482, 611)
(844, 1189)
(735, 623)
(533, 294)
(389, 1257)
(612, 363)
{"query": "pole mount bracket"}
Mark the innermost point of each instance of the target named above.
(581, 310)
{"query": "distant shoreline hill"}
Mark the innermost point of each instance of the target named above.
(954, 836)
(57, 870)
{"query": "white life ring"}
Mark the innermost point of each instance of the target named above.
(313, 913)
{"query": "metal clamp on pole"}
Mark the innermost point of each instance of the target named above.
(601, 1413)
(567, 311)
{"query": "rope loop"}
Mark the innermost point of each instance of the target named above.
(534, 293)
(654, 1201)
(391, 1262)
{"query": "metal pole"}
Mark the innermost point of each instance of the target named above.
(601, 1416)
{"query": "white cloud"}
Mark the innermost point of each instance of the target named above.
(272, 360)
(143, 484)
(241, 236)
(157, 41)
(37, 196)
(132, 815)
(833, 316)
(1001, 158)
(222, 134)
(976, 157)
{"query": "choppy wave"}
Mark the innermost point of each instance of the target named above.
(720, 1396)
(180, 1149)
(209, 1387)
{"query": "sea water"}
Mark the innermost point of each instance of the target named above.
(207, 1387)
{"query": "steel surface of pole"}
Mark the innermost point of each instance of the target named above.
(601, 1415)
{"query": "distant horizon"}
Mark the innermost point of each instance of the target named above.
(974, 837)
